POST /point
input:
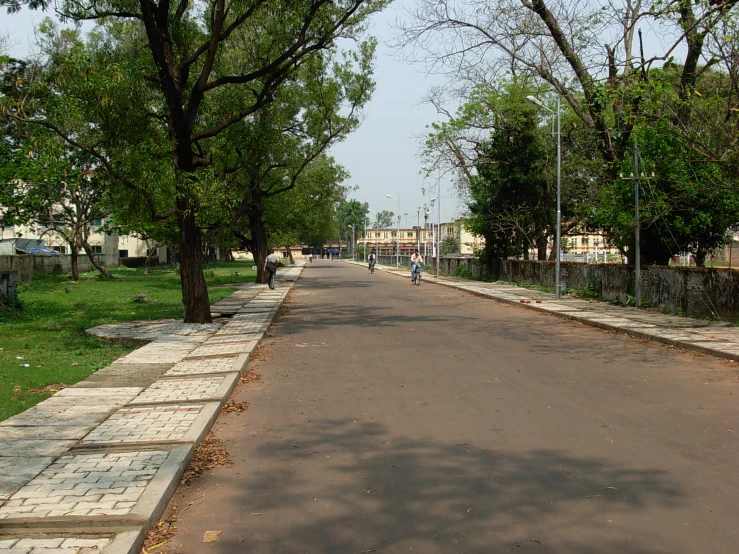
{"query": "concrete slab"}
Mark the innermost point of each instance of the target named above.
(56, 432)
(16, 472)
(126, 375)
(54, 416)
(22, 448)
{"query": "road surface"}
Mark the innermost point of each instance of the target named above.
(394, 418)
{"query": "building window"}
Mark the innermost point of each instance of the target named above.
(384, 235)
(61, 249)
(96, 222)
(123, 253)
(96, 249)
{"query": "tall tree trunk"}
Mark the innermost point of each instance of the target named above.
(75, 265)
(194, 289)
(95, 262)
(290, 254)
(541, 246)
(259, 243)
(700, 257)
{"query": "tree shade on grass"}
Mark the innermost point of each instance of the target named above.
(48, 334)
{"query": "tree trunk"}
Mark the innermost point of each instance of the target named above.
(258, 235)
(700, 257)
(290, 254)
(96, 264)
(541, 247)
(75, 265)
(194, 289)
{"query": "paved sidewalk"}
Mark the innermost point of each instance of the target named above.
(710, 337)
(91, 468)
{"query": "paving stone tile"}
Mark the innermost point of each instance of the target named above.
(225, 364)
(237, 337)
(179, 390)
(124, 375)
(146, 424)
(223, 349)
(46, 543)
(59, 503)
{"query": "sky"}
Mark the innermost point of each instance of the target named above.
(382, 156)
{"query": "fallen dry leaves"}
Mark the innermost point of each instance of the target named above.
(260, 354)
(56, 387)
(161, 534)
(250, 377)
(208, 455)
(233, 407)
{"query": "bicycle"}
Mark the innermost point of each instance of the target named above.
(417, 275)
(372, 267)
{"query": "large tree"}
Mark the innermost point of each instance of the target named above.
(592, 56)
(186, 56)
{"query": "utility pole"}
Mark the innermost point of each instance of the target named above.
(636, 176)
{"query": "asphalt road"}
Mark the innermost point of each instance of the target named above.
(394, 418)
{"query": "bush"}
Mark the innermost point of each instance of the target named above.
(463, 273)
(593, 290)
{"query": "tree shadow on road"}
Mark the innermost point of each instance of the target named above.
(342, 486)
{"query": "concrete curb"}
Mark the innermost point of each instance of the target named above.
(634, 333)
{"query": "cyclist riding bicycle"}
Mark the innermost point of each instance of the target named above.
(372, 258)
(416, 262)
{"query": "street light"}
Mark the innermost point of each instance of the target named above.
(366, 218)
(397, 251)
(354, 257)
(418, 230)
(536, 102)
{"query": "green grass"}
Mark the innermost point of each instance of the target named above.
(48, 333)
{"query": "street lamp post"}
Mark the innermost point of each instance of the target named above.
(418, 230)
(366, 218)
(438, 236)
(354, 242)
(425, 229)
(536, 102)
(397, 252)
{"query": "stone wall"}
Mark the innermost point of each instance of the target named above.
(26, 265)
(8, 286)
(22, 264)
(61, 264)
(688, 290)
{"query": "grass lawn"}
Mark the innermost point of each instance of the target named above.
(48, 333)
